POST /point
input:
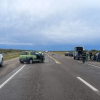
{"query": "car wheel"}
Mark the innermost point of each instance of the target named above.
(1, 64)
(21, 62)
(42, 61)
(74, 58)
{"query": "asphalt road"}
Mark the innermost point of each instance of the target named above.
(58, 78)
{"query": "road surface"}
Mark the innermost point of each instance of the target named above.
(58, 78)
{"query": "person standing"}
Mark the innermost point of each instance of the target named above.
(94, 58)
(86, 56)
(98, 58)
(90, 55)
(83, 56)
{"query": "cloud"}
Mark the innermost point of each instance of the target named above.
(75, 32)
(36, 22)
(44, 8)
(27, 44)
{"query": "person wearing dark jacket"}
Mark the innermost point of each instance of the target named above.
(83, 56)
(90, 55)
(94, 57)
(98, 57)
(86, 56)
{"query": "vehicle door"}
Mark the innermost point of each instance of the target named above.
(33, 55)
(23, 55)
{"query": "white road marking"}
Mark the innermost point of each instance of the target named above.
(89, 64)
(80, 61)
(93, 88)
(93, 65)
(11, 77)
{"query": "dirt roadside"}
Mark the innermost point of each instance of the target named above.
(9, 66)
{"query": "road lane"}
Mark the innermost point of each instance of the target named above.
(3, 84)
(54, 59)
(46, 81)
(9, 66)
(77, 68)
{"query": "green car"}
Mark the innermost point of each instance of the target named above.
(31, 56)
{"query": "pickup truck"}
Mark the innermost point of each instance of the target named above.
(1, 59)
(31, 56)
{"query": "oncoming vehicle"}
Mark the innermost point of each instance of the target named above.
(46, 51)
(69, 54)
(1, 59)
(78, 52)
(31, 56)
(66, 53)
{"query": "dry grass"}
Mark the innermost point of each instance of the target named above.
(63, 52)
(9, 54)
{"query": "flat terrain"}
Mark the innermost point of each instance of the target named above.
(58, 78)
(10, 53)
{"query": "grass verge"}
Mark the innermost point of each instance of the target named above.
(9, 53)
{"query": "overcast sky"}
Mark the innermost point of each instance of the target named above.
(49, 24)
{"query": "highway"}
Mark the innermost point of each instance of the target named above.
(58, 78)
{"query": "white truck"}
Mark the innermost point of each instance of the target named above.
(1, 59)
(77, 54)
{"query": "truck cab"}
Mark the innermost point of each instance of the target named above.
(78, 52)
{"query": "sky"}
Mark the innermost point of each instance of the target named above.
(49, 24)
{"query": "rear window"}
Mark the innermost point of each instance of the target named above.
(24, 53)
(79, 48)
(32, 53)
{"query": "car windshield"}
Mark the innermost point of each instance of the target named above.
(23, 53)
(32, 53)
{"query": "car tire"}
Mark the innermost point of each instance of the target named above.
(1, 65)
(21, 62)
(42, 61)
(74, 58)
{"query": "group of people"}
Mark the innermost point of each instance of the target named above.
(96, 57)
(89, 55)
